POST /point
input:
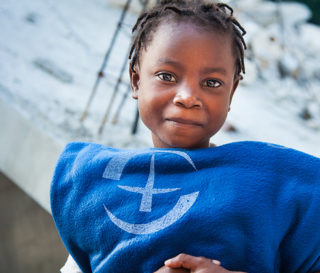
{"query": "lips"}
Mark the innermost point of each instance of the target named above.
(183, 121)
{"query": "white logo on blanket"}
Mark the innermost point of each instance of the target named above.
(114, 171)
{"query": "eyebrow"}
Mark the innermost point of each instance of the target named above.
(170, 62)
(206, 70)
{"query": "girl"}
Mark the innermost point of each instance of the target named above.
(247, 206)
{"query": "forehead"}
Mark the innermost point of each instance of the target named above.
(190, 42)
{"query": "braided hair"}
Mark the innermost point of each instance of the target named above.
(218, 16)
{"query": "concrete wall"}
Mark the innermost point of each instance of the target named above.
(29, 242)
(27, 154)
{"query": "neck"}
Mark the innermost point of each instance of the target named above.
(160, 144)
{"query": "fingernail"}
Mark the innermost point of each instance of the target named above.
(216, 262)
(168, 261)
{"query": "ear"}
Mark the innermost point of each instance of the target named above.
(134, 80)
(234, 87)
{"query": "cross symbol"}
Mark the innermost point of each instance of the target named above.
(148, 191)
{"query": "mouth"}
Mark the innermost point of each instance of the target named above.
(184, 122)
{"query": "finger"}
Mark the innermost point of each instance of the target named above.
(190, 262)
(165, 269)
(216, 262)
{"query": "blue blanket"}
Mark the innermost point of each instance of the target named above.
(253, 206)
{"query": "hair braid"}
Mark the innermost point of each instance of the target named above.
(224, 7)
(217, 15)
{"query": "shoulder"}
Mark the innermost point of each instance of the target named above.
(274, 153)
(79, 156)
(73, 149)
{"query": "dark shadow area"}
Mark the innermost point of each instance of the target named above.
(29, 241)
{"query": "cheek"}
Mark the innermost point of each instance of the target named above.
(148, 107)
(151, 99)
(145, 115)
(218, 112)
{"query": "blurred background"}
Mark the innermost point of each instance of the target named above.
(63, 77)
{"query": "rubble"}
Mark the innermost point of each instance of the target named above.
(52, 52)
(282, 44)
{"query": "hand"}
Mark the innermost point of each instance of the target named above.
(196, 264)
(166, 269)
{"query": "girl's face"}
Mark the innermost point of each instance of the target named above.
(184, 84)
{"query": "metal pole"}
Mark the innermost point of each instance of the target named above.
(124, 98)
(144, 3)
(135, 123)
(105, 60)
(115, 91)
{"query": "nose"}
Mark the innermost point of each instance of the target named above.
(187, 96)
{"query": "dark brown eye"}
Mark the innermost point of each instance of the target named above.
(212, 83)
(166, 77)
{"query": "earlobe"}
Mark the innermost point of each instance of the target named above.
(134, 81)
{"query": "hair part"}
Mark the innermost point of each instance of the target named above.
(212, 15)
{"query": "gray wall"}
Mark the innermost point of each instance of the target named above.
(29, 242)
